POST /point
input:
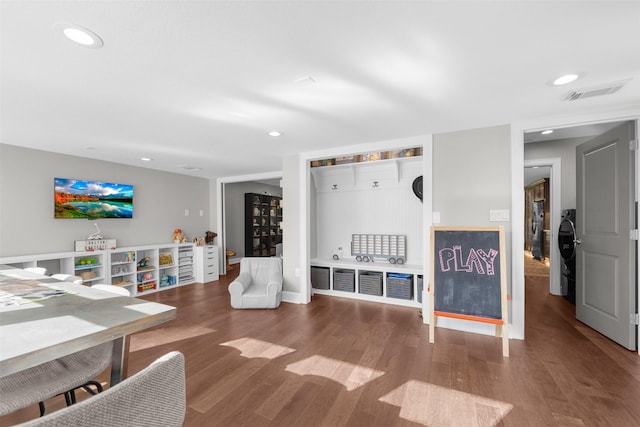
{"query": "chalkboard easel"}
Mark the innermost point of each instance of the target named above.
(468, 278)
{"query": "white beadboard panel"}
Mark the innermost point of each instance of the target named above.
(392, 208)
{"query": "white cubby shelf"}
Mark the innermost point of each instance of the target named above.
(120, 267)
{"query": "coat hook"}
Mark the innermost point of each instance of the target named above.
(334, 187)
(375, 184)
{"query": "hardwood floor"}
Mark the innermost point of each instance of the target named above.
(344, 362)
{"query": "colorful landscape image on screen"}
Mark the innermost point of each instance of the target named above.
(75, 198)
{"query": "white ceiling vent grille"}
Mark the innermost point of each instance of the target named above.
(606, 89)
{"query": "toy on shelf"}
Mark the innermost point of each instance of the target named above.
(142, 287)
(166, 259)
(145, 277)
(167, 281)
(178, 237)
(210, 235)
(86, 262)
(143, 264)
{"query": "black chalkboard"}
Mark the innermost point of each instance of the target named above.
(467, 272)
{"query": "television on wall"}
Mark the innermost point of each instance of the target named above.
(75, 198)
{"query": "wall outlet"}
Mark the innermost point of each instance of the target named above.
(201, 212)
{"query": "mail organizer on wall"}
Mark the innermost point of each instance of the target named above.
(468, 277)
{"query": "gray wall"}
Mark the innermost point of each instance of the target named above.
(234, 210)
(472, 175)
(565, 149)
(27, 225)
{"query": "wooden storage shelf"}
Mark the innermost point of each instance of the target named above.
(263, 215)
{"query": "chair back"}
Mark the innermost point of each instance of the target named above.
(68, 278)
(155, 396)
(261, 268)
(37, 270)
(113, 289)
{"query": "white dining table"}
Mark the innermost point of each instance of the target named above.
(79, 318)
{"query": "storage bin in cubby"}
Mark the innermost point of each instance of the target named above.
(400, 285)
(344, 280)
(370, 283)
(320, 277)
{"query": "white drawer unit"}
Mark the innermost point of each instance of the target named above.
(207, 264)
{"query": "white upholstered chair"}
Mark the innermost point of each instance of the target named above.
(155, 396)
(68, 278)
(113, 289)
(259, 284)
(37, 270)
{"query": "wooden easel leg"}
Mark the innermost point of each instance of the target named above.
(432, 328)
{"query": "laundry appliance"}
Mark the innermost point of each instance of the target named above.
(567, 241)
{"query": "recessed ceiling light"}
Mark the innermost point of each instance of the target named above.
(547, 132)
(275, 133)
(79, 35)
(146, 159)
(568, 78)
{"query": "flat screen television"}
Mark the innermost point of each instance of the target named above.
(75, 198)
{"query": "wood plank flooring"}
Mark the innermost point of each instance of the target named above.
(338, 362)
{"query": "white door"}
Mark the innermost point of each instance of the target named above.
(605, 255)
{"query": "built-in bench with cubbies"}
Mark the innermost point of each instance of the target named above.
(375, 281)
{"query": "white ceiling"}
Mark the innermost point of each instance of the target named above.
(200, 83)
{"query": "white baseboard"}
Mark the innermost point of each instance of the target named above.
(291, 297)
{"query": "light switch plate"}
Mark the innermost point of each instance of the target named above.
(499, 215)
(435, 217)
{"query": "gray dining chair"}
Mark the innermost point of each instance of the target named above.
(61, 376)
(155, 396)
(49, 379)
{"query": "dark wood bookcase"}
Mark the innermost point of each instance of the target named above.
(263, 215)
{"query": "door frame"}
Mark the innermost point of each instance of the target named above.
(518, 129)
(555, 211)
(221, 223)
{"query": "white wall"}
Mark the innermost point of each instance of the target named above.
(234, 210)
(359, 208)
(27, 225)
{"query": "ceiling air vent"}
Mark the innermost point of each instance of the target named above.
(606, 89)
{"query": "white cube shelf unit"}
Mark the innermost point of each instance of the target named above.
(390, 294)
(140, 269)
(89, 265)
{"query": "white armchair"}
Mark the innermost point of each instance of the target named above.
(259, 284)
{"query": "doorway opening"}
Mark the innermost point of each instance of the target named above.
(231, 212)
(564, 146)
(537, 241)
